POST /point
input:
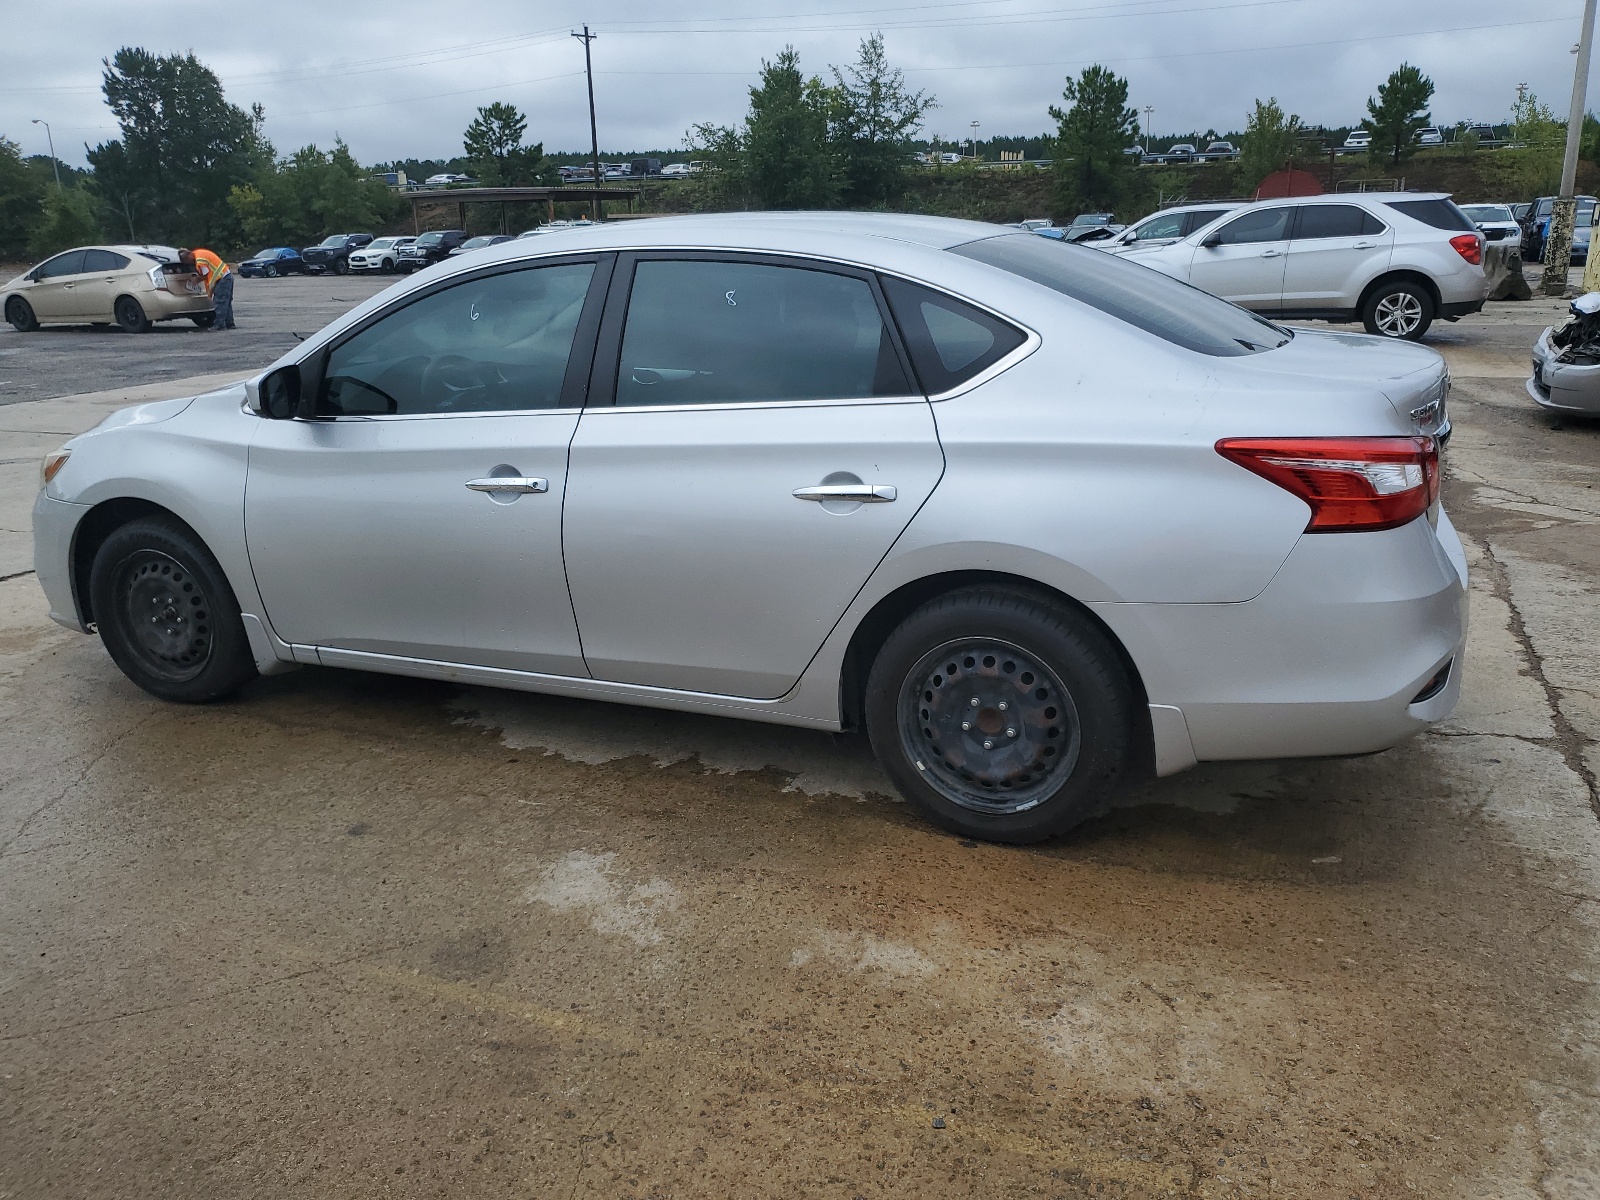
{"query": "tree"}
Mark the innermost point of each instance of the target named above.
(21, 193)
(874, 118)
(1268, 143)
(790, 160)
(1091, 137)
(1400, 109)
(308, 195)
(494, 147)
(70, 217)
(183, 147)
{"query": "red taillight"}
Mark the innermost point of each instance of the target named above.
(1355, 483)
(1469, 246)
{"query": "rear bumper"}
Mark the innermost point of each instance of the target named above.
(1330, 659)
(172, 306)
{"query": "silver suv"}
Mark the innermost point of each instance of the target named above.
(1395, 261)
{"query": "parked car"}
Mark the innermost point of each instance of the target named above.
(676, 170)
(1219, 151)
(431, 247)
(1566, 362)
(380, 254)
(1520, 212)
(1167, 226)
(449, 179)
(273, 262)
(1428, 135)
(1357, 139)
(1494, 221)
(131, 286)
(759, 478)
(332, 253)
(1395, 261)
(1536, 228)
(1182, 152)
(479, 242)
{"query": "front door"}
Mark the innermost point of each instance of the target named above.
(1245, 265)
(420, 513)
(52, 284)
(1337, 249)
(764, 450)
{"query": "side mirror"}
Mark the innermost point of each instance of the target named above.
(1212, 240)
(275, 395)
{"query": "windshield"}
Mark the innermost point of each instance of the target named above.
(474, 243)
(269, 252)
(335, 240)
(1487, 212)
(430, 239)
(381, 244)
(1146, 299)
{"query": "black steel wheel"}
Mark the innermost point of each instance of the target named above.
(166, 613)
(130, 315)
(1002, 715)
(20, 313)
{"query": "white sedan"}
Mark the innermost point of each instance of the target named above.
(1036, 518)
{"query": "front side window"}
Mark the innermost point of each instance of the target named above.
(703, 332)
(1145, 299)
(497, 343)
(70, 263)
(1200, 218)
(1335, 221)
(1263, 225)
(1168, 225)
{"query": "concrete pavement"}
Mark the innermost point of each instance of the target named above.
(353, 935)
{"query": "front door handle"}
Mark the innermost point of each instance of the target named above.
(519, 484)
(861, 493)
(1271, 253)
(1362, 245)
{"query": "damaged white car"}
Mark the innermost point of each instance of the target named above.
(1566, 362)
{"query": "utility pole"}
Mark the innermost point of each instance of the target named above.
(594, 137)
(1149, 114)
(1558, 246)
(974, 139)
(49, 137)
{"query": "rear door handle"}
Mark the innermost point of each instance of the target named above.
(1271, 253)
(861, 493)
(520, 484)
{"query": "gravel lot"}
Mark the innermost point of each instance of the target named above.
(359, 936)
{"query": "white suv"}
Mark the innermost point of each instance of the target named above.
(1167, 226)
(1394, 261)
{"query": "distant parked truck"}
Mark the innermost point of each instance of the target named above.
(640, 168)
(394, 180)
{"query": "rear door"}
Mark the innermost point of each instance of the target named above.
(753, 446)
(1337, 249)
(94, 292)
(1245, 260)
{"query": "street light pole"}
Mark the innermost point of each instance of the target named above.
(594, 137)
(49, 137)
(1149, 113)
(1558, 246)
(974, 139)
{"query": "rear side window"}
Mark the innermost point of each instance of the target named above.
(1335, 220)
(1145, 299)
(96, 261)
(950, 341)
(712, 332)
(1441, 214)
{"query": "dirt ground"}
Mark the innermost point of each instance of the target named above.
(354, 936)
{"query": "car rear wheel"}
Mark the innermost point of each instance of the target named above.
(1001, 715)
(204, 320)
(1398, 310)
(130, 315)
(341, 266)
(166, 614)
(20, 313)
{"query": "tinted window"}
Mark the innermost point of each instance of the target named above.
(950, 341)
(1168, 225)
(1441, 214)
(70, 263)
(98, 261)
(1200, 217)
(1263, 225)
(1334, 221)
(702, 332)
(1145, 299)
(493, 344)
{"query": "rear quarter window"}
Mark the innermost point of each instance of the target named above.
(1441, 214)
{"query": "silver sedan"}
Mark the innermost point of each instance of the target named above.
(1039, 520)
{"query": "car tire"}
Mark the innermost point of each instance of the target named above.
(388, 266)
(1398, 309)
(1053, 758)
(204, 320)
(341, 266)
(272, 272)
(20, 313)
(130, 315)
(167, 615)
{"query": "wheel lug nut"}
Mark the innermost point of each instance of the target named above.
(974, 702)
(965, 725)
(987, 744)
(1004, 706)
(1011, 733)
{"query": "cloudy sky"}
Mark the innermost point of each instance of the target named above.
(402, 78)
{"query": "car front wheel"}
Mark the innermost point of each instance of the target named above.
(272, 271)
(1398, 310)
(20, 313)
(167, 615)
(130, 315)
(1002, 715)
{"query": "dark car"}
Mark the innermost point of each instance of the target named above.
(479, 242)
(272, 262)
(1536, 227)
(433, 246)
(332, 253)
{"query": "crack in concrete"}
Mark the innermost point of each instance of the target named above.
(15, 575)
(1569, 741)
(72, 783)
